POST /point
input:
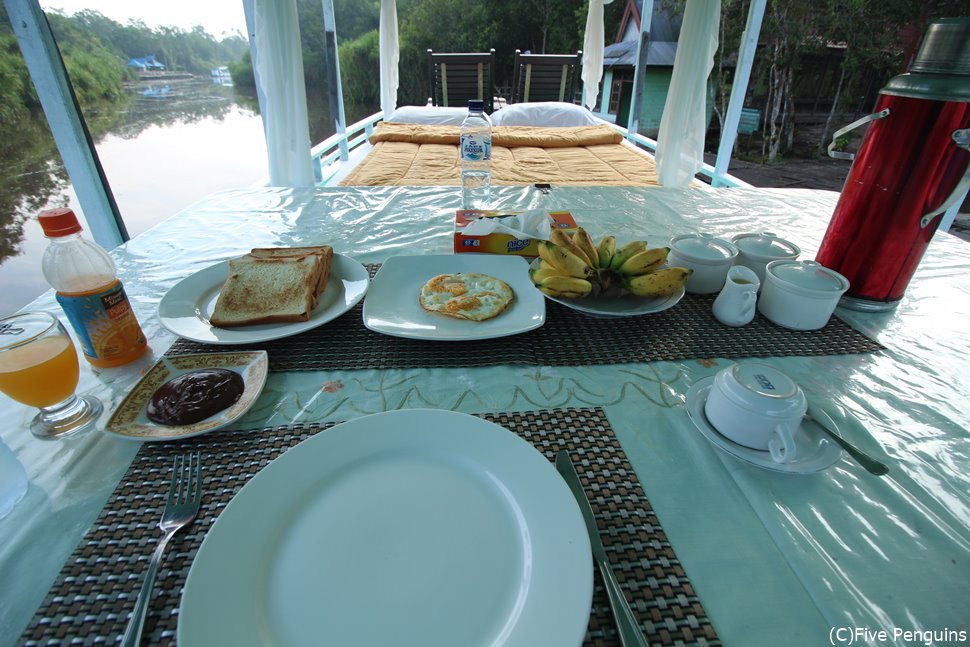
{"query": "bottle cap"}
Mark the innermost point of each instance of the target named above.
(58, 222)
(476, 105)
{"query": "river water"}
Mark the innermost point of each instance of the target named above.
(160, 153)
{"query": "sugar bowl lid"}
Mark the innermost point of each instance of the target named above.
(766, 246)
(807, 276)
(703, 248)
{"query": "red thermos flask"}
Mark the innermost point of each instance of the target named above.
(912, 165)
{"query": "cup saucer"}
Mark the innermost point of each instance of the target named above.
(816, 451)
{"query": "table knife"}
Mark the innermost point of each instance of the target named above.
(626, 623)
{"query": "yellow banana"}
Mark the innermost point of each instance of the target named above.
(658, 284)
(585, 242)
(625, 252)
(564, 260)
(541, 273)
(561, 295)
(567, 285)
(561, 238)
(645, 261)
(605, 250)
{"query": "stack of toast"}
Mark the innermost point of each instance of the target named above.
(273, 285)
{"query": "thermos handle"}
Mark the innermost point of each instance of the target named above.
(961, 138)
(839, 155)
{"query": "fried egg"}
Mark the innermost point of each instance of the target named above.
(468, 295)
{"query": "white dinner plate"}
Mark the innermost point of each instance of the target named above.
(413, 527)
(815, 452)
(392, 306)
(130, 419)
(627, 305)
(185, 309)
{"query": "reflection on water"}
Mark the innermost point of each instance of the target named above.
(160, 152)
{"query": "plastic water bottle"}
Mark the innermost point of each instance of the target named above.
(90, 293)
(476, 157)
(13, 480)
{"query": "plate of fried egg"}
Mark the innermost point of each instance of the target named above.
(453, 297)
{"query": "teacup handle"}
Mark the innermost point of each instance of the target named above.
(781, 446)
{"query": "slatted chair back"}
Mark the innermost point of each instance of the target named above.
(545, 77)
(454, 79)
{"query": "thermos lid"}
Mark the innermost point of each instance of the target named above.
(945, 48)
(941, 67)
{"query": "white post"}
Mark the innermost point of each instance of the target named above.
(739, 88)
(66, 122)
(335, 87)
(643, 48)
(951, 214)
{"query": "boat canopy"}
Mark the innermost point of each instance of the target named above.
(682, 156)
(273, 31)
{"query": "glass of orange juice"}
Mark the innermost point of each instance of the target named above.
(39, 368)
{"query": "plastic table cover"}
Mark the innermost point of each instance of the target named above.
(775, 558)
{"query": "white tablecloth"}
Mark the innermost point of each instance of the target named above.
(775, 558)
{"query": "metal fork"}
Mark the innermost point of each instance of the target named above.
(184, 496)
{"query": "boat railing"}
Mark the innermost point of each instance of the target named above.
(335, 153)
(707, 171)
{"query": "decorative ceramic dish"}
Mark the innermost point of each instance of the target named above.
(130, 419)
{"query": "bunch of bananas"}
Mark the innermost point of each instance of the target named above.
(574, 267)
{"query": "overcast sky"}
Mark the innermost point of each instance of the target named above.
(216, 16)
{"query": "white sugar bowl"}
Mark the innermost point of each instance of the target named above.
(755, 251)
(709, 257)
(801, 295)
(757, 406)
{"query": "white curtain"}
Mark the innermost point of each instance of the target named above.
(389, 56)
(279, 73)
(680, 142)
(593, 43)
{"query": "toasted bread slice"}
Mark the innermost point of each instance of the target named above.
(267, 290)
(325, 252)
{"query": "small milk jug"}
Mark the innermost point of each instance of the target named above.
(735, 304)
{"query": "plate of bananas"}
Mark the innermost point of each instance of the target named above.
(606, 280)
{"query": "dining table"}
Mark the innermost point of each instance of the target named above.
(709, 545)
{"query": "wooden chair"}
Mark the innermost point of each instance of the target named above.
(545, 77)
(456, 78)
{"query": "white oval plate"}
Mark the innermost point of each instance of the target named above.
(628, 305)
(816, 451)
(130, 419)
(393, 307)
(413, 527)
(185, 309)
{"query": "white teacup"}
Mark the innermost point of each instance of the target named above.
(757, 406)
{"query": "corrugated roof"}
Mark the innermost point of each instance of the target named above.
(620, 54)
(664, 31)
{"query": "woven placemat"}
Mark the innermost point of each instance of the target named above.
(568, 338)
(96, 590)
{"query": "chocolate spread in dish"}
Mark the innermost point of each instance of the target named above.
(195, 396)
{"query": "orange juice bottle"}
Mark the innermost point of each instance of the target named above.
(90, 293)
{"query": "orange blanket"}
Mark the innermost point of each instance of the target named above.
(413, 154)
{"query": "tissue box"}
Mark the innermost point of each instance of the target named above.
(502, 243)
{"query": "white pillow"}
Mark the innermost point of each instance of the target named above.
(544, 113)
(433, 115)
